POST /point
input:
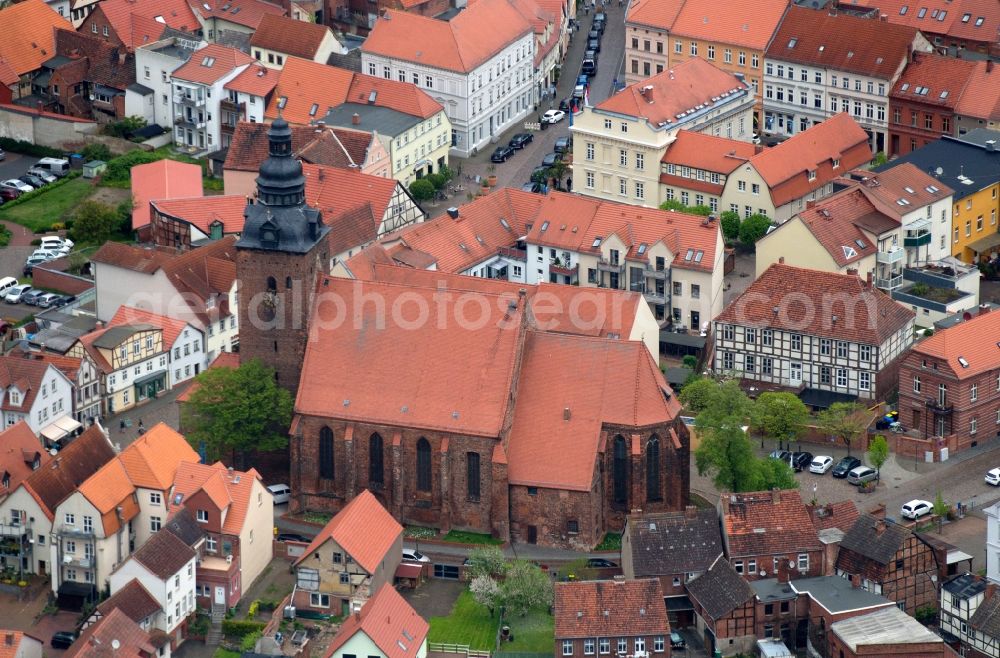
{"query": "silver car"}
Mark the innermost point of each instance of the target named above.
(861, 474)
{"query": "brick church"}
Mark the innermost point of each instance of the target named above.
(444, 395)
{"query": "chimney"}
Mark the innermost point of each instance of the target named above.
(915, 57)
(991, 590)
(775, 495)
(810, 203)
(984, 308)
(783, 569)
(879, 526)
(878, 511)
(567, 414)
(868, 284)
(321, 124)
(690, 512)
(758, 148)
(991, 145)
(356, 119)
(884, 18)
(989, 66)
(853, 271)
(453, 212)
(781, 260)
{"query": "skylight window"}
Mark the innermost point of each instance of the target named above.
(208, 61)
(792, 42)
(962, 362)
(942, 14)
(909, 190)
(922, 12)
(848, 251)
(642, 249)
(932, 189)
(545, 226)
(906, 85)
(698, 256)
(689, 255)
(979, 21)
(504, 224)
(944, 94)
(966, 17)
(282, 102)
(597, 241)
(312, 110)
(861, 243)
(902, 10)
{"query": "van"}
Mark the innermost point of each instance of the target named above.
(55, 166)
(861, 474)
(6, 284)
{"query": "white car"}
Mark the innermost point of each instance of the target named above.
(47, 254)
(553, 116)
(916, 508)
(55, 243)
(281, 493)
(24, 187)
(15, 294)
(993, 477)
(411, 555)
(821, 464)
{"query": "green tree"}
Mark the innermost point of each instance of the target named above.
(673, 204)
(879, 159)
(486, 592)
(94, 222)
(690, 361)
(422, 189)
(728, 403)
(96, 151)
(753, 228)
(726, 454)
(525, 588)
(730, 221)
(437, 180)
(878, 452)
(125, 127)
(487, 561)
(843, 420)
(704, 211)
(779, 416)
(235, 411)
(557, 172)
(698, 394)
(776, 474)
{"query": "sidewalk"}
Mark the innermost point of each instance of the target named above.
(163, 409)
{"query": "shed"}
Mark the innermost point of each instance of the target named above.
(93, 168)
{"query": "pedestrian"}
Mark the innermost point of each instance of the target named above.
(141, 426)
(122, 425)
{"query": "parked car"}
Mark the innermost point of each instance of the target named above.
(63, 639)
(821, 464)
(43, 174)
(993, 477)
(583, 79)
(7, 284)
(534, 188)
(601, 563)
(63, 300)
(564, 105)
(502, 154)
(29, 265)
(47, 300)
(20, 185)
(845, 466)
(589, 67)
(600, 21)
(281, 493)
(590, 54)
(676, 641)
(56, 243)
(916, 508)
(861, 474)
(594, 44)
(47, 254)
(594, 34)
(578, 92)
(32, 296)
(540, 175)
(291, 536)
(55, 166)
(411, 555)
(563, 144)
(553, 116)
(33, 181)
(3, 156)
(551, 158)
(800, 460)
(9, 192)
(781, 455)
(520, 140)
(15, 294)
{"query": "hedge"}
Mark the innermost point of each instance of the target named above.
(5, 236)
(27, 148)
(28, 196)
(239, 628)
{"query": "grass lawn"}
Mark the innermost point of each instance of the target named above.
(611, 542)
(469, 623)
(462, 537)
(225, 653)
(533, 633)
(43, 211)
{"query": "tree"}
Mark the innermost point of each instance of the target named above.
(487, 561)
(235, 411)
(753, 228)
(557, 172)
(703, 211)
(486, 592)
(96, 151)
(526, 587)
(673, 204)
(727, 405)
(878, 452)
(776, 474)
(879, 159)
(843, 420)
(726, 453)
(690, 361)
(697, 395)
(730, 221)
(422, 189)
(940, 509)
(437, 180)
(779, 416)
(94, 222)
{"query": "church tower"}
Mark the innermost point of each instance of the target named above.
(282, 248)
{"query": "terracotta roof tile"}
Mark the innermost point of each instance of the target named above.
(982, 24)
(841, 515)
(211, 63)
(147, 260)
(133, 599)
(934, 80)
(69, 469)
(842, 42)
(26, 375)
(672, 542)
(302, 84)
(659, 14)
(956, 19)
(203, 212)
(364, 529)
(840, 222)
(19, 447)
(872, 319)
(96, 640)
(164, 554)
(289, 36)
(256, 80)
(708, 152)
(986, 618)
(975, 341)
(11, 647)
(227, 489)
(904, 181)
(203, 274)
(8, 76)
(334, 147)
(684, 87)
(757, 524)
(108, 489)
(748, 23)
(609, 608)
(28, 36)
(870, 539)
(163, 179)
(400, 96)
(981, 97)
(352, 203)
(248, 13)
(129, 315)
(389, 622)
(151, 461)
(104, 63)
(480, 31)
(138, 22)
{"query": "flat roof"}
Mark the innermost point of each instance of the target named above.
(886, 626)
(837, 595)
(769, 589)
(386, 120)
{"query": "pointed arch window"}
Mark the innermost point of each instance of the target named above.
(376, 471)
(423, 465)
(326, 465)
(654, 490)
(619, 471)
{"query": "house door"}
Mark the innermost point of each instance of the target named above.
(41, 567)
(220, 595)
(795, 373)
(532, 534)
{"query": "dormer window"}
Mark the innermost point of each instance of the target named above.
(15, 397)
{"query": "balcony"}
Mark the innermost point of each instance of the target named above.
(940, 407)
(893, 255)
(15, 546)
(914, 239)
(889, 283)
(74, 531)
(76, 561)
(943, 274)
(662, 275)
(511, 253)
(184, 99)
(604, 265)
(655, 297)
(556, 268)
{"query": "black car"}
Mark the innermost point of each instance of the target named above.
(600, 21)
(563, 144)
(33, 181)
(501, 154)
(800, 460)
(550, 159)
(844, 466)
(65, 299)
(63, 639)
(31, 298)
(291, 536)
(594, 44)
(589, 67)
(594, 34)
(520, 140)
(590, 54)
(564, 105)
(601, 563)
(780, 455)
(540, 175)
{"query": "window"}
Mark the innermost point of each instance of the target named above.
(752, 566)
(727, 56)
(640, 161)
(824, 346)
(916, 384)
(622, 645)
(767, 366)
(623, 157)
(711, 53)
(317, 600)
(658, 644)
(974, 392)
(841, 377)
(70, 519)
(749, 363)
(155, 498)
(738, 565)
(376, 475)
(423, 465)
(640, 645)
(154, 523)
(750, 335)
(211, 544)
(728, 360)
(824, 375)
(803, 564)
(202, 516)
(472, 478)
(604, 645)
(973, 426)
(841, 349)
(588, 646)
(694, 48)
(742, 58)
(590, 150)
(345, 578)
(864, 380)
(653, 488)
(640, 190)
(678, 46)
(326, 459)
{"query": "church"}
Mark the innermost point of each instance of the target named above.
(459, 402)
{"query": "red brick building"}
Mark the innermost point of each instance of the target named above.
(949, 385)
(601, 617)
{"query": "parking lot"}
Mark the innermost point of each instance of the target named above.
(16, 165)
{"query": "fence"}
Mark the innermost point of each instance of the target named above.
(461, 649)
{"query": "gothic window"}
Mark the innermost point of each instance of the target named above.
(288, 282)
(653, 489)
(472, 475)
(423, 465)
(272, 284)
(326, 453)
(619, 471)
(376, 473)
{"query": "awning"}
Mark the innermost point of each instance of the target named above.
(678, 603)
(149, 378)
(408, 570)
(684, 340)
(61, 428)
(984, 244)
(74, 588)
(814, 397)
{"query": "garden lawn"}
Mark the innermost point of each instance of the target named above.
(469, 623)
(533, 633)
(44, 210)
(462, 537)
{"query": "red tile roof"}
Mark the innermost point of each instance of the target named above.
(211, 63)
(400, 96)
(138, 22)
(28, 35)
(334, 147)
(248, 13)
(747, 23)
(975, 341)
(129, 315)
(27, 376)
(842, 223)
(981, 97)
(871, 318)
(690, 84)
(478, 32)
(363, 529)
(289, 36)
(111, 492)
(256, 80)
(389, 622)
(841, 515)
(228, 489)
(707, 152)
(975, 20)
(785, 167)
(659, 14)
(107, 64)
(151, 461)
(163, 179)
(11, 647)
(133, 599)
(96, 640)
(202, 212)
(164, 555)
(75, 463)
(842, 42)
(146, 260)
(934, 80)
(767, 523)
(905, 181)
(205, 274)
(8, 76)
(955, 18)
(610, 608)
(623, 387)
(19, 449)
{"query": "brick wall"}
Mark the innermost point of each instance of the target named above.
(67, 284)
(578, 648)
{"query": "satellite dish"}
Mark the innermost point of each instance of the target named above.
(115, 644)
(939, 171)
(91, 97)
